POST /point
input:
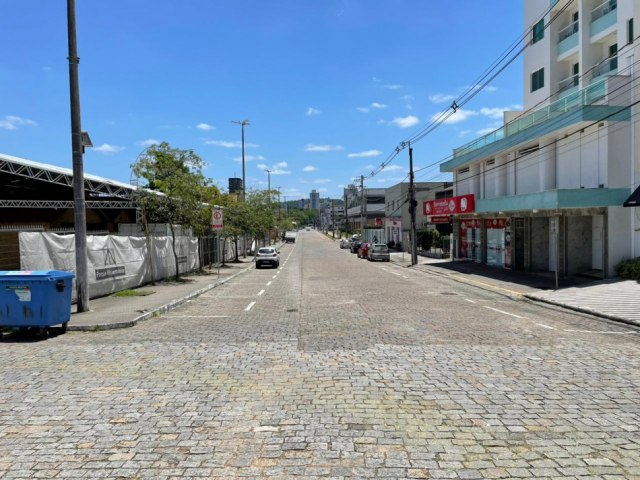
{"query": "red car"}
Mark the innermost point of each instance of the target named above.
(363, 251)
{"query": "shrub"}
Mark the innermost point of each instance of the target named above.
(629, 269)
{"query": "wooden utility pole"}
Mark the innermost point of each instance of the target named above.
(362, 208)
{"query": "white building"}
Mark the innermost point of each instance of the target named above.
(314, 200)
(549, 186)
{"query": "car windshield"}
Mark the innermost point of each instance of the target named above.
(380, 248)
(266, 250)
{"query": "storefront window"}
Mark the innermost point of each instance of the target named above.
(470, 240)
(495, 241)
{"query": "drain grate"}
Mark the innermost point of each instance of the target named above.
(292, 309)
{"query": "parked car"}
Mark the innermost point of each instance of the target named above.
(344, 243)
(268, 256)
(355, 245)
(379, 251)
(363, 250)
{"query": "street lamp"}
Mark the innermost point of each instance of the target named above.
(269, 190)
(242, 123)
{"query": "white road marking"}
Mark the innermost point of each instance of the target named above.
(404, 276)
(506, 313)
(396, 273)
(469, 300)
(545, 326)
(260, 292)
(275, 276)
(196, 316)
(268, 283)
(249, 306)
(599, 331)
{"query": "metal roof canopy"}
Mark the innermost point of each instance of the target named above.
(18, 192)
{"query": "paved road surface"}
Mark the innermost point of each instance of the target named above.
(330, 367)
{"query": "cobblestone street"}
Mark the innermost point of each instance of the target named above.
(329, 367)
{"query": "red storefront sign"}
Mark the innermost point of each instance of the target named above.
(449, 206)
(495, 222)
(439, 219)
(474, 223)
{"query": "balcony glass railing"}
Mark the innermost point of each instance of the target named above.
(602, 9)
(609, 67)
(587, 96)
(568, 83)
(567, 31)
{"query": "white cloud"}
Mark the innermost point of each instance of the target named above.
(407, 98)
(362, 109)
(250, 158)
(277, 169)
(322, 148)
(205, 126)
(497, 112)
(323, 180)
(369, 167)
(441, 98)
(459, 116)
(378, 106)
(148, 142)
(372, 105)
(381, 122)
(393, 168)
(309, 168)
(108, 149)
(393, 87)
(226, 144)
(485, 131)
(12, 122)
(312, 111)
(365, 154)
(406, 122)
(464, 133)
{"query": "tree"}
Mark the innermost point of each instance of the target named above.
(176, 190)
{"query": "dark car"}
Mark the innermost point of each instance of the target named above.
(355, 246)
(363, 251)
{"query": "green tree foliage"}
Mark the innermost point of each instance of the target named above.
(629, 269)
(176, 190)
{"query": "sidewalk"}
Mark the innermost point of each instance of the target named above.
(119, 312)
(615, 299)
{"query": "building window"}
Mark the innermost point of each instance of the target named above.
(538, 31)
(630, 30)
(537, 80)
(613, 54)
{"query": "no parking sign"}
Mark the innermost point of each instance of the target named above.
(217, 222)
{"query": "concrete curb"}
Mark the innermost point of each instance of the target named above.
(588, 311)
(151, 313)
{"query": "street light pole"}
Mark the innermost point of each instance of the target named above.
(242, 123)
(269, 190)
(80, 219)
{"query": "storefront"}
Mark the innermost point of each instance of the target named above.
(496, 232)
(471, 240)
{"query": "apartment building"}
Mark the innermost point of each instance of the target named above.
(548, 187)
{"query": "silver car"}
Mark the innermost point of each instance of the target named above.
(344, 243)
(378, 251)
(267, 256)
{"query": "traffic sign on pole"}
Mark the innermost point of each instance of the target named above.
(217, 222)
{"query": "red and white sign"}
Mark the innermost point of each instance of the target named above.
(439, 219)
(474, 223)
(450, 206)
(217, 222)
(378, 222)
(495, 223)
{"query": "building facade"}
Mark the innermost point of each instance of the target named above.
(549, 185)
(235, 186)
(314, 200)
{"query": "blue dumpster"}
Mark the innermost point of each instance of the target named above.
(35, 298)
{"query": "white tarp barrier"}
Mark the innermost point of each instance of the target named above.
(113, 262)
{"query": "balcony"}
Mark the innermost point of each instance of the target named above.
(603, 69)
(603, 16)
(568, 85)
(587, 104)
(568, 38)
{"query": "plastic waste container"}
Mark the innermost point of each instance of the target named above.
(35, 298)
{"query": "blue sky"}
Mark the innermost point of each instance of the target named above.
(330, 87)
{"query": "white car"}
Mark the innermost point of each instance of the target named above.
(267, 256)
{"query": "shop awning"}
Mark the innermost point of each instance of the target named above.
(633, 200)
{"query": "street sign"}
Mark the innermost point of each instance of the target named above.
(217, 222)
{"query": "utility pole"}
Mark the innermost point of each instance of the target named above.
(80, 219)
(346, 213)
(333, 221)
(412, 210)
(362, 207)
